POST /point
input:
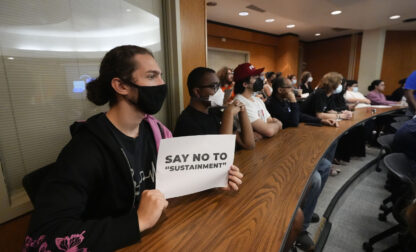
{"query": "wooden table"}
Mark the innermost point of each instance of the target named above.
(257, 217)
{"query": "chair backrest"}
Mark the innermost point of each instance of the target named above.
(399, 165)
(386, 141)
(397, 125)
(32, 181)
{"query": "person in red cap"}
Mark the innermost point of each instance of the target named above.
(245, 76)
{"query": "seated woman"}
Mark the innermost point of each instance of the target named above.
(305, 82)
(376, 95)
(101, 194)
(225, 76)
(353, 96)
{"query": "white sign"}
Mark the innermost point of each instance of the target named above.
(192, 164)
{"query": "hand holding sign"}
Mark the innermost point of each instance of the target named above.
(192, 164)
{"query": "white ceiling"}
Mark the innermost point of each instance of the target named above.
(313, 16)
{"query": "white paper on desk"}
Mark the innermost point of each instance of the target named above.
(362, 105)
(191, 164)
(380, 106)
(305, 95)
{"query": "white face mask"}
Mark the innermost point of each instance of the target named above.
(355, 89)
(217, 100)
(310, 79)
(338, 90)
(294, 81)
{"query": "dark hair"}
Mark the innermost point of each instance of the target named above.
(402, 81)
(305, 76)
(290, 76)
(351, 82)
(118, 62)
(374, 84)
(238, 87)
(269, 75)
(278, 74)
(277, 83)
(195, 76)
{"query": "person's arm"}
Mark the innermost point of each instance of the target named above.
(62, 200)
(245, 138)
(228, 117)
(409, 94)
(267, 129)
(359, 100)
(267, 90)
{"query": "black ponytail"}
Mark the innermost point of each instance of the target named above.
(374, 84)
(118, 62)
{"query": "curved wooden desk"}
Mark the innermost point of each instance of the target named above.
(259, 215)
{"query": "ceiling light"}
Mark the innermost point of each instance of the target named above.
(243, 13)
(10, 58)
(317, 34)
(395, 17)
(290, 26)
(269, 20)
(128, 10)
(336, 12)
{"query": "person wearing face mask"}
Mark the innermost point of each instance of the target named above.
(319, 102)
(376, 95)
(100, 194)
(225, 75)
(353, 96)
(203, 115)
(305, 82)
(245, 76)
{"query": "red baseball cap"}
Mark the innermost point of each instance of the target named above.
(246, 70)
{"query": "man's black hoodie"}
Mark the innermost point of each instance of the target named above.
(87, 200)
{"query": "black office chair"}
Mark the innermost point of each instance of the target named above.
(32, 181)
(397, 125)
(399, 165)
(385, 141)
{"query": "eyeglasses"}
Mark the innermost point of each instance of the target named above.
(214, 86)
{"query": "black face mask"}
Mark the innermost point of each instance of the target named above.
(258, 85)
(150, 98)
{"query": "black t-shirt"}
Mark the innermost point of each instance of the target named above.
(193, 122)
(317, 102)
(141, 154)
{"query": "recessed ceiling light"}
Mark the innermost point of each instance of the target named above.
(395, 17)
(290, 26)
(10, 58)
(317, 34)
(128, 10)
(243, 13)
(269, 20)
(336, 12)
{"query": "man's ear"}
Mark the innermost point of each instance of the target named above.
(195, 92)
(120, 87)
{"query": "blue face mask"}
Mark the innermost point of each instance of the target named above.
(338, 90)
(355, 89)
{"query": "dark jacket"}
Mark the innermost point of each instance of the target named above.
(87, 200)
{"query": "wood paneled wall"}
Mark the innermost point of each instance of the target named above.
(272, 52)
(330, 55)
(193, 39)
(399, 58)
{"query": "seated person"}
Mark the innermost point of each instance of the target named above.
(267, 88)
(318, 103)
(225, 75)
(405, 140)
(305, 82)
(410, 92)
(200, 117)
(353, 96)
(376, 95)
(101, 195)
(263, 124)
(283, 106)
(398, 94)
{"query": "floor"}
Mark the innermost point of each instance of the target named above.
(356, 220)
